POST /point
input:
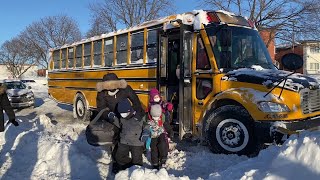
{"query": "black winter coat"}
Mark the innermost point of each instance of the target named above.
(104, 100)
(6, 106)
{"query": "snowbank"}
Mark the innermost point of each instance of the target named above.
(297, 158)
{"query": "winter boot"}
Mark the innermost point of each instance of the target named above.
(156, 166)
(115, 168)
(163, 162)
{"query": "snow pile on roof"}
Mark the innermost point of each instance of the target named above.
(201, 18)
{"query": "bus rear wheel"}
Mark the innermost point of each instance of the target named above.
(231, 131)
(80, 108)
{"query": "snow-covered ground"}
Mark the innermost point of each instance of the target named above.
(50, 144)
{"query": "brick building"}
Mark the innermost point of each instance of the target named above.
(266, 35)
(309, 51)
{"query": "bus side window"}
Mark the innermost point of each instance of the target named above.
(87, 54)
(97, 48)
(122, 41)
(152, 46)
(137, 47)
(202, 57)
(70, 57)
(63, 58)
(56, 59)
(204, 87)
(79, 56)
(108, 52)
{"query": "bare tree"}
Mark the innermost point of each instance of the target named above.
(16, 60)
(110, 14)
(287, 20)
(47, 33)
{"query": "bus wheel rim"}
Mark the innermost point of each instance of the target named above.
(80, 108)
(232, 135)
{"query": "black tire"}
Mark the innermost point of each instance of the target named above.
(81, 109)
(230, 130)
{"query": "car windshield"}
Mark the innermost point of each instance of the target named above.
(247, 50)
(15, 85)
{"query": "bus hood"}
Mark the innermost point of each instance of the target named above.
(270, 78)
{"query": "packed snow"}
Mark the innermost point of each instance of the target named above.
(50, 144)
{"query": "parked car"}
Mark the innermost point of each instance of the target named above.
(28, 81)
(19, 94)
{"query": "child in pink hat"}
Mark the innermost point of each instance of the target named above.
(155, 98)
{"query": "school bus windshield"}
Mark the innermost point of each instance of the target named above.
(247, 50)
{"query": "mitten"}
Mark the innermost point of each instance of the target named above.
(148, 143)
(111, 117)
(169, 106)
(145, 135)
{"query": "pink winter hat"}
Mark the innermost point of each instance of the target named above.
(153, 92)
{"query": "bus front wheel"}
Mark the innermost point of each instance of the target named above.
(80, 108)
(231, 131)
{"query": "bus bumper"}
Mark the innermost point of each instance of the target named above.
(270, 131)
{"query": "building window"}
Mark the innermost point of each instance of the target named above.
(314, 49)
(314, 66)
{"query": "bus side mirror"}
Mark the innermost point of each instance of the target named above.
(225, 37)
(292, 61)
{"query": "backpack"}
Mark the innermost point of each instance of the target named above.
(100, 132)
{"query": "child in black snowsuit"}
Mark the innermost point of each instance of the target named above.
(160, 131)
(131, 129)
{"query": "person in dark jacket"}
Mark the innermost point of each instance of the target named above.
(160, 132)
(110, 92)
(131, 129)
(6, 106)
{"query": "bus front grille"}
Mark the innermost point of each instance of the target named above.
(310, 101)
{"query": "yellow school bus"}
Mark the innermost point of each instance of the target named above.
(212, 65)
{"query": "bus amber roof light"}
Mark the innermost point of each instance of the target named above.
(211, 17)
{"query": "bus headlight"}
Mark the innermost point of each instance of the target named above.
(272, 107)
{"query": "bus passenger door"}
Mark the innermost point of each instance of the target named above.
(185, 86)
(162, 64)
